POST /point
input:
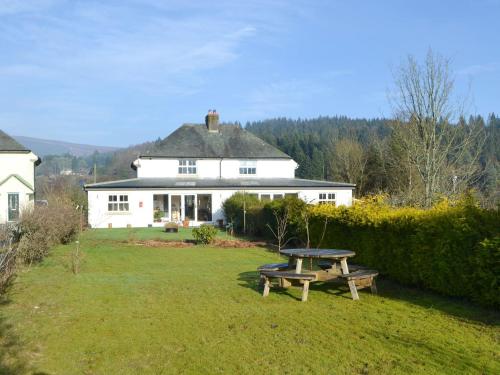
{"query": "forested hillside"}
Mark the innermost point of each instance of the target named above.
(361, 151)
(365, 152)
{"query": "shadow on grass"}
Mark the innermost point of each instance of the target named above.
(251, 280)
(11, 362)
(456, 307)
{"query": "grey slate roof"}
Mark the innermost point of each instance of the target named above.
(7, 143)
(215, 183)
(195, 141)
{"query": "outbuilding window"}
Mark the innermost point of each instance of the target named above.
(326, 198)
(118, 203)
(187, 166)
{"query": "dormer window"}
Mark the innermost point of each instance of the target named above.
(187, 166)
(248, 167)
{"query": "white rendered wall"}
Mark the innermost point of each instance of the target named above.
(21, 164)
(13, 185)
(141, 203)
(215, 168)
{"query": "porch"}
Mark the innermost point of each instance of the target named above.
(181, 207)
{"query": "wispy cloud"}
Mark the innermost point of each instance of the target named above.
(156, 53)
(73, 63)
(24, 6)
(473, 70)
(290, 97)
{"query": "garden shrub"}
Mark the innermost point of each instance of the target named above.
(205, 233)
(259, 214)
(41, 228)
(233, 211)
(450, 249)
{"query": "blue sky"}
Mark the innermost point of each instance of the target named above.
(126, 71)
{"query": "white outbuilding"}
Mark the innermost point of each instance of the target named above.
(199, 167)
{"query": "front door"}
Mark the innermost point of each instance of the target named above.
(176, 208)
(13, 206)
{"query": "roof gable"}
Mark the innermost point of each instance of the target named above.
(7, 143)
(19, 178)
(195, 141)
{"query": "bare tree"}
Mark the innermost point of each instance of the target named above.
(281, 230)
(350, 160)
(425, 110)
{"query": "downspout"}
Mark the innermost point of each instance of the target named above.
(220, 168)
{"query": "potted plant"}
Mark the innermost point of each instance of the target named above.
(157, 216)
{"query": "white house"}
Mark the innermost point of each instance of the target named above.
(200, 166)
(17, 178)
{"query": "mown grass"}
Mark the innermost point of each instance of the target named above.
(143, 234)
(143, 310)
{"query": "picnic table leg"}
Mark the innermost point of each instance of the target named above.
(305, 290)
(352, 285)
(298, 266)
(266, 287)
(283, 282)
(373, 286)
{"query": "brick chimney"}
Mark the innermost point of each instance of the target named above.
(212, 121)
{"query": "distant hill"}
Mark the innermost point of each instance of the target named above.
(43, 147)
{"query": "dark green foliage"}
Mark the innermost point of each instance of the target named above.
(205, 234)
(259, 214)
(453, 250)
(234, 208)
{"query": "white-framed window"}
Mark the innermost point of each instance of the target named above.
(326, 198)
(118, 203)
(248, 167)
(187, 166)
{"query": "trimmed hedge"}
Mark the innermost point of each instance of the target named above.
(453, 250)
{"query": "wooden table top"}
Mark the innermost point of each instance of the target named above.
(318, 253)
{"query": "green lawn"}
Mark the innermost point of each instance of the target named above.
(143, 310)
(142, 234)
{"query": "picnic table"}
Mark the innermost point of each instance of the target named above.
(329, 270)
(298, 255)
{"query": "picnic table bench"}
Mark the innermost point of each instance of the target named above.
(305, 279)
(332, 264)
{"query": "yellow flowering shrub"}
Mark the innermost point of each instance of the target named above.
(452, 248)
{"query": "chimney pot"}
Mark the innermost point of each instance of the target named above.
(212, 121)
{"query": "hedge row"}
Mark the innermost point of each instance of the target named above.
(453, 249)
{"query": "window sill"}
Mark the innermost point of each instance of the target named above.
(119, 213)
